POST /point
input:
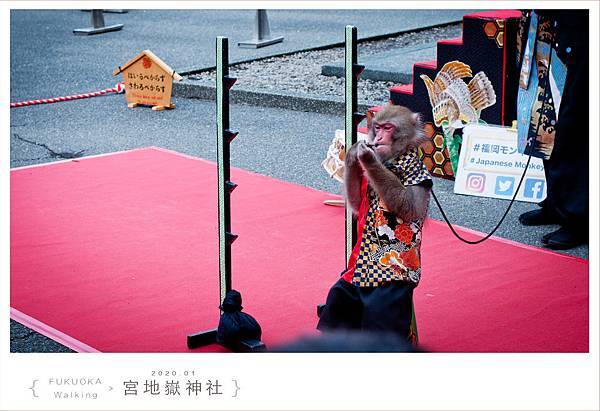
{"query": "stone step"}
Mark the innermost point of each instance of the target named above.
(392, 65)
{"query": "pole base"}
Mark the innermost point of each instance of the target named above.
(119, 11)
(256, 44)
(202, 338)
(210, 337)
(249, 346)
(92, 30)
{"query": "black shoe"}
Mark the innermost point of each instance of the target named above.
(536, 217)
(562, 239)
(546, 237)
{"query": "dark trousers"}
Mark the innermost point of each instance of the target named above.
(386, 308)
(567, 171)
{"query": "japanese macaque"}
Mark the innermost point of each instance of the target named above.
(394, 131)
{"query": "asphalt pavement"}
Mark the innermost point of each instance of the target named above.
(48, 60)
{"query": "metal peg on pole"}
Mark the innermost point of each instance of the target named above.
(262, 33)
(98, 25)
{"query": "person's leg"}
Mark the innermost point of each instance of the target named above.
(539, 216)
(388, 308)
(343, 309)
(568, 167)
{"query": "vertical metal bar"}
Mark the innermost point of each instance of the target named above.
(225, 186)
(223, 167)
(98, 26)
(256, 35)
(262, 25)
(97, 18)
(351, 108)
(262, 32)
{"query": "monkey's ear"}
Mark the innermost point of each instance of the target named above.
(416, 118)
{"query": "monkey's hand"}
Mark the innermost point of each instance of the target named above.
(353, 175)
(352, 156)
(366, 155)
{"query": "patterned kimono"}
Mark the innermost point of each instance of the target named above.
(375, 292)
(388, 248)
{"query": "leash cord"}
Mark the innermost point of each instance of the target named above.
(481, 240)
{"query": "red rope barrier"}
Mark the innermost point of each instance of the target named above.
(118, 88)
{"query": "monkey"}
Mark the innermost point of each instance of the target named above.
(387, 186)
(395, 130)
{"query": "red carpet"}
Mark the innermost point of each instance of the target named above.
(118, 253)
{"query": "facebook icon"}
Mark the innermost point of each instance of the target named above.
(534, 188)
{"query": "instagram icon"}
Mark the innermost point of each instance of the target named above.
(475, 182)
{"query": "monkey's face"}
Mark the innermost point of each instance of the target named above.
(394, 130)
(382, 140)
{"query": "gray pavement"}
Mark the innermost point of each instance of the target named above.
(285, 144)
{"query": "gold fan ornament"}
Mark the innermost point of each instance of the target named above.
(456, 103)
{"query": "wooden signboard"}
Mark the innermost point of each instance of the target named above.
(148, 81)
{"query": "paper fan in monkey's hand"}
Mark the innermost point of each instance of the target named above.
(336, 154)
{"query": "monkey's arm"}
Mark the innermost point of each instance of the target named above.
(408, 203)
(353, 174)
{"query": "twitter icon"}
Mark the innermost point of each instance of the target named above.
(505, 185)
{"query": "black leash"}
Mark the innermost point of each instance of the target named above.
(481, 240)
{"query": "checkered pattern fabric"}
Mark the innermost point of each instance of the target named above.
(409, 168)
(390, 247)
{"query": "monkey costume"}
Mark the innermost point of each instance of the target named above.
(375, 292)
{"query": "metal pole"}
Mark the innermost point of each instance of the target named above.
(225, 186)
(262, 33)
(261, 24)
(97, 25)
(352, 119)
(97, 19)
